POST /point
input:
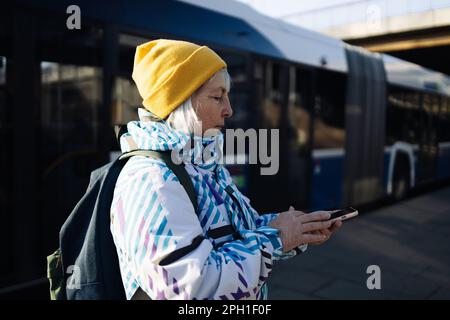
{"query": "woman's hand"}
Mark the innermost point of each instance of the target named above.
(328, 232)
(337, 223)
(297, 228)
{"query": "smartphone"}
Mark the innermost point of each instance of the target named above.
(344, 214)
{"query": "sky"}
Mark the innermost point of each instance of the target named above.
(278, 8)
(326, 15)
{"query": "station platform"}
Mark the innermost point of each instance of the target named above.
(409, 242)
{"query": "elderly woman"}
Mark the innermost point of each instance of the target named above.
(185, 90)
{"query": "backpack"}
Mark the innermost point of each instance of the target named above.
(86, 265)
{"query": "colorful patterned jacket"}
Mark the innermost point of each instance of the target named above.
(152, 217)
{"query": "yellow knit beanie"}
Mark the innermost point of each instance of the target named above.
(167, 72)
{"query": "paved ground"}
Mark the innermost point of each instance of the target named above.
(409, 241)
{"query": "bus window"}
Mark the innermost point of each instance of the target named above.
(271, 104)
(444, 120)
(299, 121)
(70, 98)
(70, 101)
(431, 105)
(299, 109)
(126, 101)
(269, 85)
(71, 95)
(329, 111)
(428, 144)
(403, 116)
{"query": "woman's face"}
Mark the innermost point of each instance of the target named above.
(212, 104)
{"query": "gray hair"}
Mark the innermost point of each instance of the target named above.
(184, 118)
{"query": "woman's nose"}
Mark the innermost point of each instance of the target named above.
(227, 110)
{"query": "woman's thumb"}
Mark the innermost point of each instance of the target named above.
(291, 208)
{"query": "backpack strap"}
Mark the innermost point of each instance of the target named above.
(178, 169)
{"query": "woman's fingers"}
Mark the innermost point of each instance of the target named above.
(313, 226)
(325, 232)
(315, 216)
(300, 228)
(311, 238)
(336, 225)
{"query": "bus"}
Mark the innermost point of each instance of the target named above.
(354, 126)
